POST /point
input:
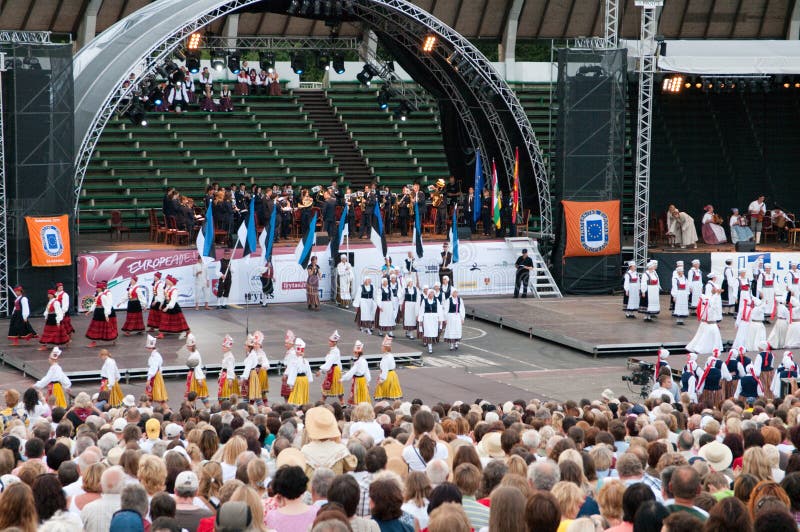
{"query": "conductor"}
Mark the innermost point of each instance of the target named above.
(524, 266)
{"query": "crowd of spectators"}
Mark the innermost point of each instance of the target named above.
(608, 464)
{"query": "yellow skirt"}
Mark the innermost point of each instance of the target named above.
(200, 387)
(228, 388)
(115, 397)
(359, 392)
(159, 390)
(263, 378)
(390, 388)
(254, 386)
(299, 395)
(336, 389)
(58, 392)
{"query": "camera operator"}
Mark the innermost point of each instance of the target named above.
(665, 387)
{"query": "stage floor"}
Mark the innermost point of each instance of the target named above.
(592, 324)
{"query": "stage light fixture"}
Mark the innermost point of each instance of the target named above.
(193, 42)
(672, 84)
(298, 63)
(318, 8)
(429, 43)
(136, 114)
(338, 63)
(323, 61)
(266, 61)
(366, 74)
(383, 98)
(234, 62)
(193, 62)
(402, 111)
(294, 5)
(218, 60)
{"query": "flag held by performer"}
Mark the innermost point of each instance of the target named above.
(377, 236)
(205, 236)
(342, 229)
(306, 244)
(454, 235)
(270, 238)
(515, 196)
(496, 204)
(476, 212)
(248, 236)
(417, 234)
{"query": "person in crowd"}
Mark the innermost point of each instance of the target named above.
(292, 513)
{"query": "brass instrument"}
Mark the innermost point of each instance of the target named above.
(306, 202)
(436, 198)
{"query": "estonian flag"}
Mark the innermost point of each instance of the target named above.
(417, 234)
(343, 230)
(377, 235)
(247, 234)
(454, 235)
(205, 236)
(270, 237)
(479, 184)
(306, 244)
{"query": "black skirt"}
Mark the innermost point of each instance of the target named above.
(134, 305)
(18, 327)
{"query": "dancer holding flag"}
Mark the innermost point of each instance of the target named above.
(267, 272)
(497, 203)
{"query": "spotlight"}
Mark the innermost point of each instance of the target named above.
(672, 84)
(298, 63)
(193, 42)
(323, 61)
(698, 85)
(294, 5)
(234, 62)
(218, 60)
(136, 115)
(429, 43)
(366, 74)
(338, 63)
(193, 62)
(267, 61)
(402, 111)
(383, 98)
(157, 97)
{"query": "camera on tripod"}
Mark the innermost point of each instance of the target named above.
(641, 372)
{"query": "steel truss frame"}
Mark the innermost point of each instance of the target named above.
(31, 37)
(248, 42)
(612, 24)
(5, 309)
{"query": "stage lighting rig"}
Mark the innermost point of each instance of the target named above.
(298, 63)
(366, 74)
(338, 63)
(266, 61)
(136, 114)
(234, 62)
(429, 43)
(193, 62)
(218, 60)
(193, 42)
(384, 96)
(672, 84)
(403, 110)
(323, 61)
(32, 63)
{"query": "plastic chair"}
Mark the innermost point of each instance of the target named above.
(117, 227)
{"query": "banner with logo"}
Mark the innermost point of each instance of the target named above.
(49, 238)
(593, 228)
(747, 261)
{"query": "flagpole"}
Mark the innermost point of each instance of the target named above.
(233, 252)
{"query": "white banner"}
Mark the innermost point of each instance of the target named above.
(779, 261)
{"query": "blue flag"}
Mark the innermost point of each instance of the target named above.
(417, 234)
(249, 242)
(377, 235)
(205, 236)
(454, 235)
(271, 235)
(344, 228)
(478, 192)
(307, 243)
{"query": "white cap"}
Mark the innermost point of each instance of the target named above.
(712, 275)
(768, 265)
(358, 346)
(335, 336)
(631, 263)
(289, 337)
(129, 401)
(227, 341)
(679, 269)
(119, 425)
(663, 353)
(151, 342)
(695, 261)
(172, 430)
(55, 353)
(679, 263)
(299, 344)
(258, 338)
(191, 340)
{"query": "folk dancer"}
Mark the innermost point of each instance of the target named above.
(446, 263)
(744, 289)
(137, 301)
(712, 230)
(793, 332)
(743, 323)
(385, 313)
(446, 289)
(53, 332)
(359, 375)
(201, 284)
(787, 370)
(454, 320)
(172, 320)
(792, 279)
(365, 303)
(250, 385)
(410, 269)
(680, 297)
(388, 388)
(695, 276)
(662, 356)
(109, 379)
(227, 383)
(263, 364)
(154, 316)
(345, 278)
(755, 276)
(430, 319)
(103, 326)
(20, 326)
(707, 338)
(225, 100)
(63, 300)
(288, 359)
(332, 383)
(395, 287)
(714, 292)
(689, 377)
(766, 287)
(630, 285)
(757, 210)
(195, 378)
(764, 366)
(749, 386)
(730, 289)
(225, 280)
(299, 375)
(678, 264)
(780, 317)
(55, 380)
(649, 304)
(740, 231)
(388, 268)
(410, 304)
(266, 275)
(312, 284)
(710, 384)
(155, 389)
(735, 363)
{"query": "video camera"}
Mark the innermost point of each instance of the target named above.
(642, 374)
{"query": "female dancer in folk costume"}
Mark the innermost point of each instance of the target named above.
(250, 385)
(756, 332)
(227, 383)
(20, 326)
(709, 386)
(396, 288)
(63, 300)
(695, 276)
(299, 375)
(736, 362)
(225, 101)
(649, 287)
(689, 377)
(711, 227)
(345, 278)
(242, 83)
(207, 101)
(411, 297)
(730, 289)
(104, 320)
(630, 285)
(55, 380)
(680, 296)
(780, 317)
(385, 304)
(359, 374)
(366, 306)
(332, 384)
(109, 379)
(155, 389)
(195, 378)
(288, 359)
(312, 284)
(430, 318)
(388, 388)
(744, 289)
(787, 370)
(792, 279)
(707, 338)
(767, 283)
(172, 319)
(454, 319)
(743, 324)
(154, 316)
(137, 301)
(263, 364)
(446, 289)
(678, 265)
(54, 332)
(764, 366)
(755, 276)
(661, 362)
(749, 385)
(714, 293)
(793, 332)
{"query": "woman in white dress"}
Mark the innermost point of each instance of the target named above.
(680, 295)
(777, 336)
(707, 338)
(730, 288)
(385, 303)
(743, 323)
(756, 333)
(712, 230)
(365, 303)
(793, 333)
(630, 284)
(344, 274)
(430, 319)
(410, 306)
(714, 294)
(682, 226)
(649, 287)
(455, 314)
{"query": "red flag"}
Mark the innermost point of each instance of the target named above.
(515, 198)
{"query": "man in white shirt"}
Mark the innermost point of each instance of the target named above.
(97, 515)
(757, 210)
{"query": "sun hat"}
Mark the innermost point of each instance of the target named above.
(321, 424)
(718, 455)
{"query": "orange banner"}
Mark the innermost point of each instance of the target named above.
(593, 228)
(49, 236)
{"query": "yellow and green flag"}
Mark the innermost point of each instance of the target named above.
(496, 201)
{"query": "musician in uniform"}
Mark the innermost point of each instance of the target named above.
(757, 210)
(418, 198)
(367, 210)
(350, 201)
(404, 206)
(306, 203)
(224, 282)
(438, 203)
(389, 205)
(329, 215)
(469, 210)
(445, 269)
(486, 212)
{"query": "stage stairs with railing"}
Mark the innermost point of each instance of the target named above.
(541, 281)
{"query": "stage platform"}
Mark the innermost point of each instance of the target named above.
(594, 325)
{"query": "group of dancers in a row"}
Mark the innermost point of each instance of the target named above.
(164, 314)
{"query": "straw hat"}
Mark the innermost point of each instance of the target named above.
(490, 447)
(290, 456)
(321, 424)
(718, 455)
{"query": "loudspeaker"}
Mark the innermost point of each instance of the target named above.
(745, 247)
(464, 233)
(322, 238)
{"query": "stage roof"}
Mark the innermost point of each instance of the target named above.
(680, 19)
